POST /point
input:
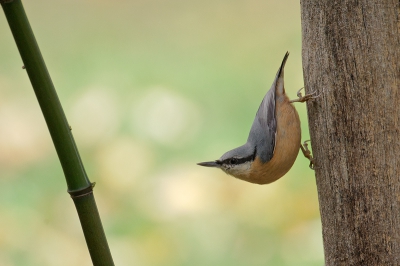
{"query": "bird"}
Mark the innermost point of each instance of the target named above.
(274, 140)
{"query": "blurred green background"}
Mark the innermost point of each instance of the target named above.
(150, 88)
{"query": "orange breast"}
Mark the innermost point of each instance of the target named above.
(287, 145)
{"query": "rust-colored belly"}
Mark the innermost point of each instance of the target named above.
(287, 145)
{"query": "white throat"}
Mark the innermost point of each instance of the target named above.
(243, 169)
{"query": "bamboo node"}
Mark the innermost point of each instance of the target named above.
(82, 192)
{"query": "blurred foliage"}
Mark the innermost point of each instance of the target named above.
(150, 88)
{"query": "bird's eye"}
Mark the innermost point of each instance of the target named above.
(233, 161)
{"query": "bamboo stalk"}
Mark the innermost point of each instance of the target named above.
(78, 183)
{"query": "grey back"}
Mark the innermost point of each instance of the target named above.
(263, 131)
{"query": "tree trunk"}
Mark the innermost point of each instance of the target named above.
(351, 54)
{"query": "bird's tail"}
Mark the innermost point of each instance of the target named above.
(280, 71)
(280, 88)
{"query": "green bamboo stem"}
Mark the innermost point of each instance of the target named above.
(78, 183)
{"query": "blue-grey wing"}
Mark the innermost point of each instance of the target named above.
(263, 131)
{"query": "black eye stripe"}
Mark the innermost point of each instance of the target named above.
(235, 161)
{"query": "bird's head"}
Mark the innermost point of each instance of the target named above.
(237, 162)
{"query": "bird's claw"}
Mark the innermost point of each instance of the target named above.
(307, 154)
(307, 97)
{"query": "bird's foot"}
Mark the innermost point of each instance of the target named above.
(307, 154)
(307, 97)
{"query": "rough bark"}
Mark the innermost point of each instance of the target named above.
(351, 53)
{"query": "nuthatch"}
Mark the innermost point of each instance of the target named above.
(274, 139)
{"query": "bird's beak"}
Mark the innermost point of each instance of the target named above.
(211, 164)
